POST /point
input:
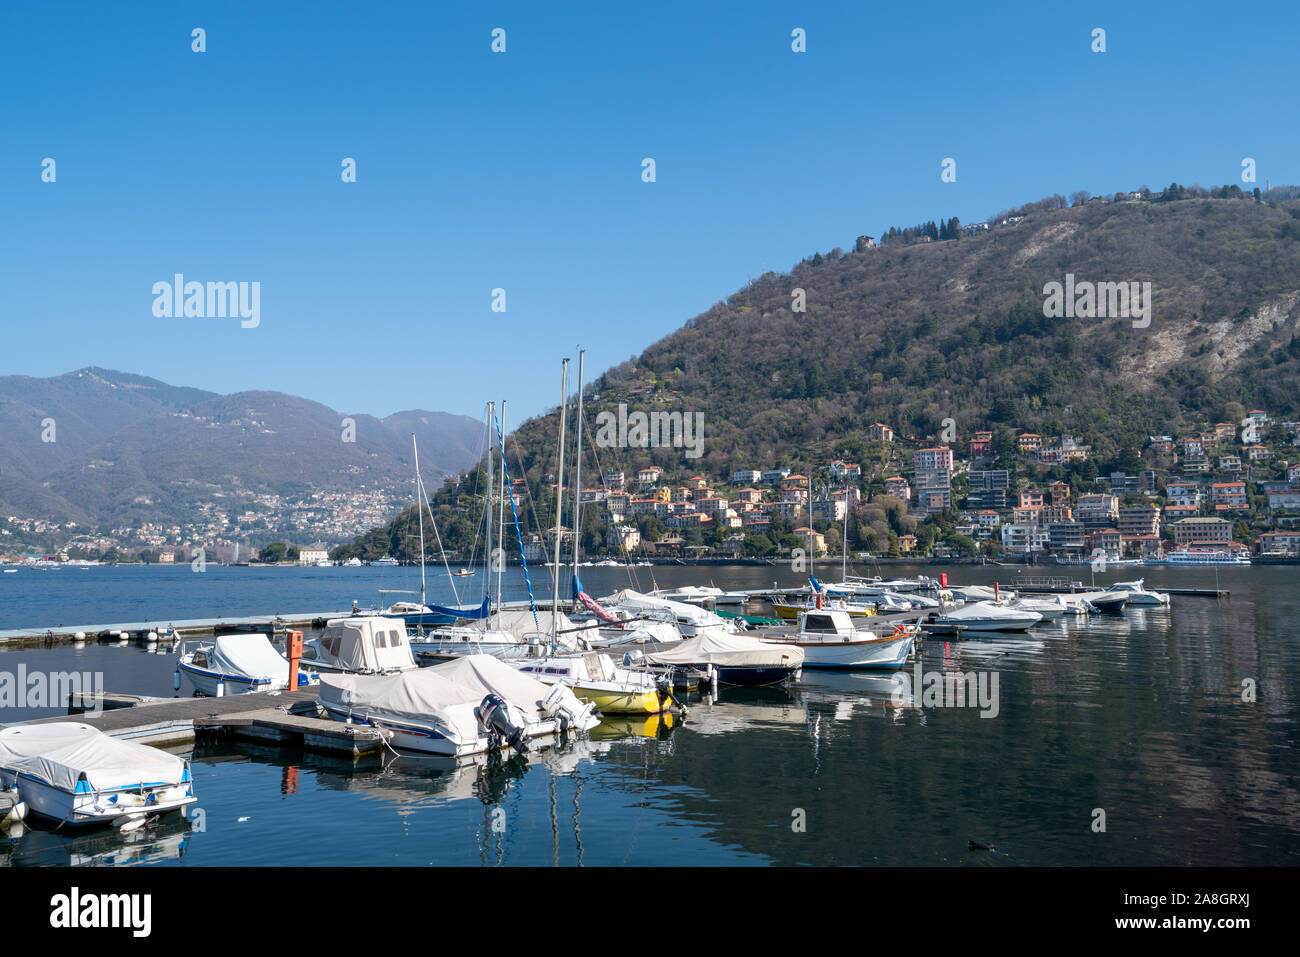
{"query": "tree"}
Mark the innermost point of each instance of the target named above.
(275, 552)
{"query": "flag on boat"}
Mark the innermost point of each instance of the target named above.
(591, 604)
(817, 586)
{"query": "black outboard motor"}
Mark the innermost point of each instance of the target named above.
(494, 716)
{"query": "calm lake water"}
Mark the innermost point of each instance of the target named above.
(1138, 716)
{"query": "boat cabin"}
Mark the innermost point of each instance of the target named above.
(361, 645)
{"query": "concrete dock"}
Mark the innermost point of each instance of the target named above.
(286, 717)
(185, 628)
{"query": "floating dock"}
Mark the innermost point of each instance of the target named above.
(285, 717)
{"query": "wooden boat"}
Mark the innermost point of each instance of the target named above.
(829, 639)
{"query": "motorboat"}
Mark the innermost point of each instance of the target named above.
(74, 774)
(235, 664)
(1138, 593)
(595, 678)
(690, 594)
(360, 644)
(983, 616)
(1110, 602)
(353, 563)
(790, 611)
(467, 706)
(690, 620)
(829, 639)
(387, 560)
(735, 659)
(1050, 606)
(508, 631)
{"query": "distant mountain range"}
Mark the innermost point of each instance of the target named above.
(130, 447)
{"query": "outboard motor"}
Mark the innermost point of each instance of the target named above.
(633, 658)
(494, 715)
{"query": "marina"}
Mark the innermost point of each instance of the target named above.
(847, 723)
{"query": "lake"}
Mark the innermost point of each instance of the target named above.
(1116, 740)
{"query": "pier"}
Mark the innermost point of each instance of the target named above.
(184, 628)
(283, 717)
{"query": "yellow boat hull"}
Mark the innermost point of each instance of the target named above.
(623, 702)
(791, 612)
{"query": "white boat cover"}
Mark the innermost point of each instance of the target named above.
(519, 622)
(427, 692)
(366, 644)
(248, 656)
(983, 610)
(636, 601)
(60, 753)
(728, 651)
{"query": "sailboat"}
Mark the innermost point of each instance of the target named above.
(592, 676)
(423, 615)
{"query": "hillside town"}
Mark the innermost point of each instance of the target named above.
(1218, 495)
(231, 526)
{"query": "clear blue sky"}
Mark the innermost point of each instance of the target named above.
(522, 170)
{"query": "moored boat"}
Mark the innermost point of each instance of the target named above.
(829, 639)
(74, 774)
(467, 706)
(984, 616)
(240, 663)
(735, 659)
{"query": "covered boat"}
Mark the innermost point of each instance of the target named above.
(737, 659)
(75, 774)
(465, 706)
(985, 616)
(361, 644)
(690, 620)
(240, 663)
(594, 677)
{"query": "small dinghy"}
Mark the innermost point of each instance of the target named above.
(74, 774)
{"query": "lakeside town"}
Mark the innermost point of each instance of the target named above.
(1223, 494)
(1220, 495)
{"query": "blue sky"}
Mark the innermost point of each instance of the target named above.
(522, 170)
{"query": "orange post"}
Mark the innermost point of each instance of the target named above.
(293, 651)
(995, 591)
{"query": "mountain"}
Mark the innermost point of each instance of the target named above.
(128, 448)
(913, 334)
(942, 331)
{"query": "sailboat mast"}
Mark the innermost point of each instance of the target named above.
(501, 528)
(559, 505)
(844, 571)
(487, 567)
(419, 510)
(577, 474)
